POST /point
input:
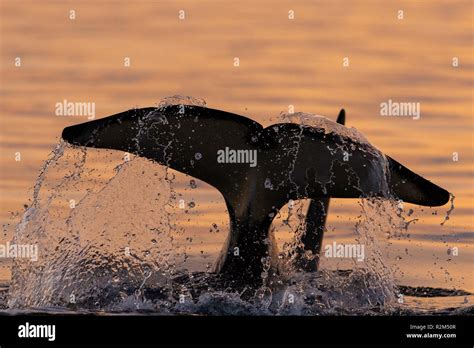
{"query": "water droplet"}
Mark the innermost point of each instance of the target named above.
(268, 184)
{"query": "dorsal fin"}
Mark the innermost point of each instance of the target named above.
(316, 215)
(341, 118)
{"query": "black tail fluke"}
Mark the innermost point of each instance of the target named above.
(189, 139)
(412, 188)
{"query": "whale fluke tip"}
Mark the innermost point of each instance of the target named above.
(412, 188)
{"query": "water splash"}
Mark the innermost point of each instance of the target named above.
(91, 249)
(324, 124)
(450, 210)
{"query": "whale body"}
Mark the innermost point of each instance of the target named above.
(293, 161)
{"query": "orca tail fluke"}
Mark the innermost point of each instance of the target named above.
(191, 139)
(412, 188)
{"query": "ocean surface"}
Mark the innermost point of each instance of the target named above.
(284, 64)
